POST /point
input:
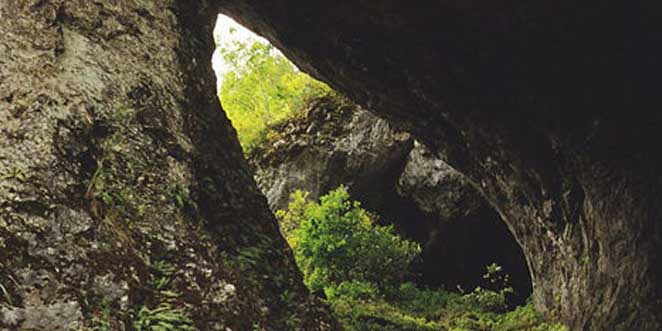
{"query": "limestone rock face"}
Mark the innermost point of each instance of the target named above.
(336, 143)
(545, 106)
(437, 188)
(122, 184)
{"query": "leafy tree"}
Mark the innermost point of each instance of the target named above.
(336, 240)
(260, 88)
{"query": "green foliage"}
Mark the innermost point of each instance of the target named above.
(356, 290)
(336, 241)
(526, 318)
(168, 314)
(165, 317)
(487, 301)
(261, 88)
(360, 268)
(431, 304)
(377, 315)
(102, 319)
(161, 275)
(290, 219)
(413, 309)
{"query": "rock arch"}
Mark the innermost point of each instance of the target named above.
(528, 101)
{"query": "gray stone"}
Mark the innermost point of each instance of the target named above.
(437, 188)
(337, 143)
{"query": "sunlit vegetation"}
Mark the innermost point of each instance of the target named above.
(361, 267)
(261, 88)
(337, 241)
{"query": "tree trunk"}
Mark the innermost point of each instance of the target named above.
(122, 185)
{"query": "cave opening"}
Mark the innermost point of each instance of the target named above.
(517, 96)
(460, 234)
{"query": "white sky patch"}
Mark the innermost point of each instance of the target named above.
(226, 32)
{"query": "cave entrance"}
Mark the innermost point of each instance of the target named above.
(298, 137)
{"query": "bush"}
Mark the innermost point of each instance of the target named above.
(354, 290)
(465, 315)
(337, 241)
(430, 304)
(487, 301)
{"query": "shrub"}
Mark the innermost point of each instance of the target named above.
(463, 317)
(355, 290)
(336, 240)
(525, 318)
(430, 304)
(290, 219)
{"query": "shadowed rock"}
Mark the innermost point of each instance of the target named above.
(544, 106)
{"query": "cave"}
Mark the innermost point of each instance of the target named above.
(524, 100)
(546, 107)
(335, 142)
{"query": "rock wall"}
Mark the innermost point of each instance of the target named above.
(122, 184)
(545, 106)
(336, 142)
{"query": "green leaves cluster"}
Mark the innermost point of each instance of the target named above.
(169, 314)
(261, 88)
(336, 240)
(165, 317)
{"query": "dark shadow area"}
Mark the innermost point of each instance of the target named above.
(455, 253)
